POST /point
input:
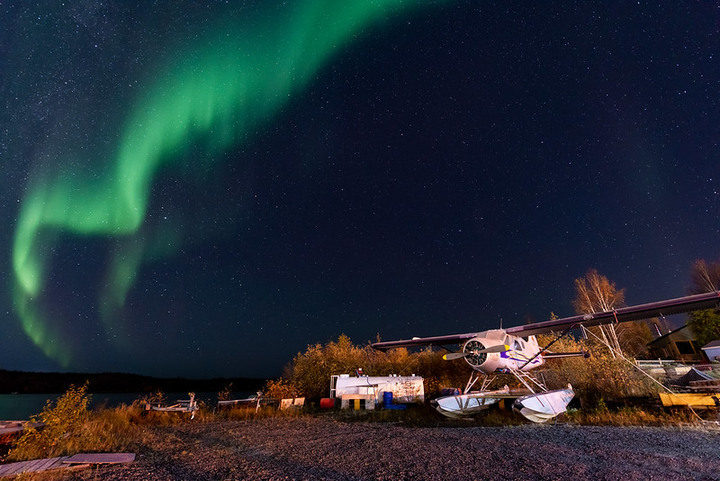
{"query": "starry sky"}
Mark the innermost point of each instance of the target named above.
(203, 189)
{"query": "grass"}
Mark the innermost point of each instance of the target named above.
(635, 416)
(71, 428)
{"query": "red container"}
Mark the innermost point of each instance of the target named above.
(327, 403)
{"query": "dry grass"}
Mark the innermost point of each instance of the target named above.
(70, 428)
(107, 430)
(132, 429)
(632, 417)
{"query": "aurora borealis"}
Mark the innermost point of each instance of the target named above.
(204, 189)
(217, 91)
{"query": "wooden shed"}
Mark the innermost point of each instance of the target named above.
(679, 344)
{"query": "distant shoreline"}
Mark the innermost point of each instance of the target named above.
(22, 382)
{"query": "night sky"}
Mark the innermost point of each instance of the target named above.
(203, 189)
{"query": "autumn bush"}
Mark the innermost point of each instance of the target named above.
(599, 377)
(225, 394)
(281, 389)
(62, 422)
(67, 427)
(310, 371)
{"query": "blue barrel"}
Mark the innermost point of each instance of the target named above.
(387, 398)
(450, 391)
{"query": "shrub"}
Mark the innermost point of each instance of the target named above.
(310, 371)
(70, 428)
(62, 421)
(226, 393)
(156, 398)
(281, 389)
(600, 377)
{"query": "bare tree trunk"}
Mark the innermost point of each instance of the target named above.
(703, 279)
(595, 293)
(607, 341)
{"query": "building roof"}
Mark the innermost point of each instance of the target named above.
(712, 344)
(659, 340)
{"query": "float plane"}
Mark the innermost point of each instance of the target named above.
(515, 350)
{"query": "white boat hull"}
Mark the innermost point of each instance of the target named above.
(544, 406)
(464, 405)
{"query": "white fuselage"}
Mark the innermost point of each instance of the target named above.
(512, 353)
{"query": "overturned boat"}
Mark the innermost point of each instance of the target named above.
(544, 406)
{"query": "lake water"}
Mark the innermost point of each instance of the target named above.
(19, 407)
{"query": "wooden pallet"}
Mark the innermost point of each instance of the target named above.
(34, 466)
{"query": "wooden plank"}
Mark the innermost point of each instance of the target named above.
(10, 469)
(34, 466)
(52, 463)
(14, 468)
(101, 458)
(689, 399)
(39, 465)
(358, 396)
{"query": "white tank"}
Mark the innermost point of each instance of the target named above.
(405, 389)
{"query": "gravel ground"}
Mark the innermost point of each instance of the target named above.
(322, 448)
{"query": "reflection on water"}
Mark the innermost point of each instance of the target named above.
(18, 407)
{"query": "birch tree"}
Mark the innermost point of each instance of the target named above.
(595, 293)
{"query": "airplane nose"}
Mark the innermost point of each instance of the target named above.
(474, 355)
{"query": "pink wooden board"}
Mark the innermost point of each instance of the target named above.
(33, 466)
(100, 458)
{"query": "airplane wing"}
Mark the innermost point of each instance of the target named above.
(425, 341)
(667, 307)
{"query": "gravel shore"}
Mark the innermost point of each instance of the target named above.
(323, 448)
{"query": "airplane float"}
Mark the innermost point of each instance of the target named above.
(515, 351)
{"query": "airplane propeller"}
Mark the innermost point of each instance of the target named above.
(450, 356)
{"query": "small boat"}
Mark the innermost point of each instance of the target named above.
(250, 401)
(11, 430)
(544, 406)
(180, 406)
(253, 400)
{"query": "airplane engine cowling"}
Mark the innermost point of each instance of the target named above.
(474, 358)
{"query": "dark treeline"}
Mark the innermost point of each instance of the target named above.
(53, 382)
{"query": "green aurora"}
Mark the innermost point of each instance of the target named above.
(217, 92)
